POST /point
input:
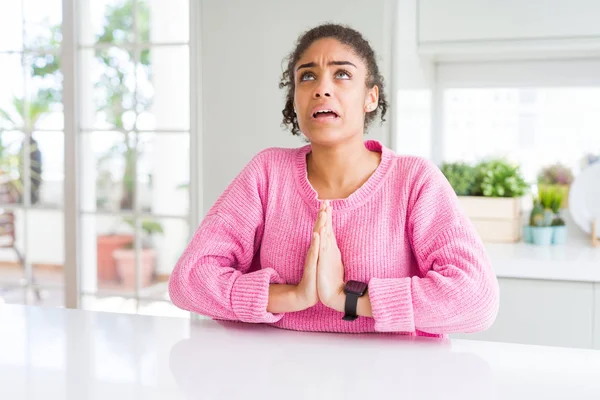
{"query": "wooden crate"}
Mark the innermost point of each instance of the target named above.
(496, 219)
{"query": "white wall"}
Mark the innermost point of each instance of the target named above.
(243, 47)
(414, 87)
(477, 20)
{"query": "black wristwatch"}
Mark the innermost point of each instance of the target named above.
(353, 290)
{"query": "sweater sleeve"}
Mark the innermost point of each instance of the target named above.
(456, 289)
(215, 276)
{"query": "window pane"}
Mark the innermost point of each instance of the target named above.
(108, 159)
(532, 126)
(106, 21)
(11, 26)
(164, 240)
(45, 247)
(11, 188)
(50, 167)
(44, 85)
(164, 190)
(11, 95)
(163, 21)
(111, 84)
(163, 83)
(42, 23)
(12, 269)
(103, 267)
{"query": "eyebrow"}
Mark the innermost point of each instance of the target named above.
(312, 64)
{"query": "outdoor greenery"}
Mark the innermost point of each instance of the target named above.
(24, 115)
(120, 94)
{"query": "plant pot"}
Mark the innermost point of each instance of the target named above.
(542, 236)
(528, 234)
(105, 247)
(496, 219)
(125, 261)
(559, 234)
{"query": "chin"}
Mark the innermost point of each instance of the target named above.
(326, 137)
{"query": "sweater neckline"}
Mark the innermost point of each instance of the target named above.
(360, 195)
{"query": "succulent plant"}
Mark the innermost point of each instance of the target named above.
(558, 221)
(548, 217)
(540, 216)
(537, 214)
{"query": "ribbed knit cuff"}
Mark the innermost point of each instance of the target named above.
(391, 304)
(250, 296)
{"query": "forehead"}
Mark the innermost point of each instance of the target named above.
(329, 49)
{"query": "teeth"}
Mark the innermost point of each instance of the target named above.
(324, 111)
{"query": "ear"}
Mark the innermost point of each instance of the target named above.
(372, 99)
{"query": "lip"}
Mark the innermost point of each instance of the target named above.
(324, 107)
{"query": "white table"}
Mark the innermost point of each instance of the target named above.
(49, 353)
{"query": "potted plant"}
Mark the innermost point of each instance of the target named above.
(546, 226)
(557, 175)
(461, 176)
(539, 231)
(490, 193)
(553, 198)
(125, 256)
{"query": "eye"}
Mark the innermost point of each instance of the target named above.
(343, 74)
(307, 76)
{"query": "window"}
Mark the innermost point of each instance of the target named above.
(534, 113)
(31, 152)
(135, 147)
(134, 135)
(532, 126)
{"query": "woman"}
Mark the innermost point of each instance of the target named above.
(340, 235)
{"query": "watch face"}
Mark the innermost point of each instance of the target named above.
(355, 287)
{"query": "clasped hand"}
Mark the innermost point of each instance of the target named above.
(323, 277)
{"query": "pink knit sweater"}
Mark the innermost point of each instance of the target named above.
(402, 232)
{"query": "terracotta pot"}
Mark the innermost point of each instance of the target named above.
(125, 260)
(106, 245)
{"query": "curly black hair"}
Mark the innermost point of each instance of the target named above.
(348, 37)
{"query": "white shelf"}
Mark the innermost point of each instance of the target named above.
(575, 261)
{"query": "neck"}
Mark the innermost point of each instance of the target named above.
(341, 167)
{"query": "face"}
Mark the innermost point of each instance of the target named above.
(331, 97)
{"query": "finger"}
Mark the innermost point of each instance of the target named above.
(313, 251)
(320, 222)
(323, 237)
(330, 232)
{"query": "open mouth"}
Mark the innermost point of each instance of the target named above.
(322, 114)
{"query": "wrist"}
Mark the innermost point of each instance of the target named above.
(285, 298)
(302, 300)
(338, 300)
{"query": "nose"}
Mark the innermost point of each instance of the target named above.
(323, 89)
(325, 94)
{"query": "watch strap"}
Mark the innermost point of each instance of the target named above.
(350, 307)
